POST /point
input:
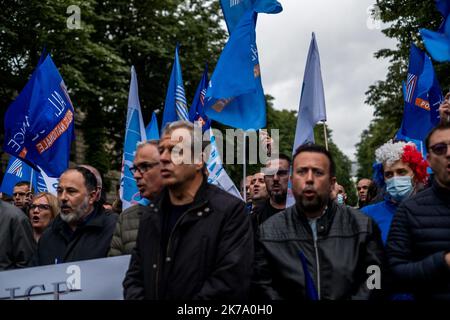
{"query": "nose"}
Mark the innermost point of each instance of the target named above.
(310, 177)
(165, 156)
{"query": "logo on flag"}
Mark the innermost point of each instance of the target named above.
(16, 168)
(410, 87)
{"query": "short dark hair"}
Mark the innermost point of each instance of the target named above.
(311, 147)
(283, 156)
(90, 181)
(24, 183)
(440, 126)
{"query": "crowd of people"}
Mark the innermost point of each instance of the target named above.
(195, 241)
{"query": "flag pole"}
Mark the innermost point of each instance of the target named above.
(245, 170)
(325, 135)
(31, 179)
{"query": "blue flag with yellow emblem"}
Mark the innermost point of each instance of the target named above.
(235, 95)
(175, 107)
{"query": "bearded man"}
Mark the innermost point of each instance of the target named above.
(308, 250)
(82, 230)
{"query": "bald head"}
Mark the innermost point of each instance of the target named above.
(98, 177)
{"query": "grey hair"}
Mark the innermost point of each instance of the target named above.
(196, 139)
(141, 144)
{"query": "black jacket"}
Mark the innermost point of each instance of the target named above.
(17, 245)
(209, 253)
(348, 242)
(418, 239)
(89, 241)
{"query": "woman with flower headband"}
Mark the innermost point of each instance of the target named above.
(401, 170)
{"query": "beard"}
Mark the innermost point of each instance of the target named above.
(311, 205)
(77, 212)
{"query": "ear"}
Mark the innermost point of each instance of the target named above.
(332, 183)
(92, 196)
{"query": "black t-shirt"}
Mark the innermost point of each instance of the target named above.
(170, 217)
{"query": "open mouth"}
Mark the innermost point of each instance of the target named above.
(35, 219)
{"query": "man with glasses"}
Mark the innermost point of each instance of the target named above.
(22, 195)
(276, 177)
(418, 245)
(147, 173)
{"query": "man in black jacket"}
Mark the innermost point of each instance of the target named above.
(276, 178)
(418, 245)
(196, 242)
(82, 230)
(317, 249)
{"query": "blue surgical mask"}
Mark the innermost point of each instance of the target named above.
(340, 198)
(399, 188)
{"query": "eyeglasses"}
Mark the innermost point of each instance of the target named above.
(143, 167)
(40, 206)
(280, 173)
(440, 149)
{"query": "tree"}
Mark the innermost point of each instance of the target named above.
(404, 18)
(95, 60)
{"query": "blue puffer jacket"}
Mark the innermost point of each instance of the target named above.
(417, 242)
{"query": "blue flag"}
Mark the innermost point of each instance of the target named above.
(437, 42)
(39, 124)
(197, 112)
(312, 100)
(175, 107)
(235, 96)
(312, 105)
(152, 130)
(134, 133)
(311, 291)
(233, 10)
(18, 171)
(422, 96)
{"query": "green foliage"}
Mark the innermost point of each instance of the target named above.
(95, 60)
(404, 19)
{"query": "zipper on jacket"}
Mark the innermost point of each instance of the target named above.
(318, 267)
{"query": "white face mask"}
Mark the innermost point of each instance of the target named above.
(399, 188)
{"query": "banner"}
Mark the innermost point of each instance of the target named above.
(97, 279)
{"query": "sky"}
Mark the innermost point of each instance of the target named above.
(347, 39)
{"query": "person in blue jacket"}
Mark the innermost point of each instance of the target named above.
(401, 171)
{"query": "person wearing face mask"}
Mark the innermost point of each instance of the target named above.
(401, 170)
(338, 194)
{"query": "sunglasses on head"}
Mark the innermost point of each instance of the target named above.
(439, 149)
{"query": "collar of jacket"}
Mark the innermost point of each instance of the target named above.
(441, 192)
(324, 222)
(199, 205)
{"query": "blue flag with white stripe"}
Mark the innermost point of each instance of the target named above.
(235, 95)
(17, 171)
(175, 107)
(197, 112)
(422, 96)
(134, 133)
